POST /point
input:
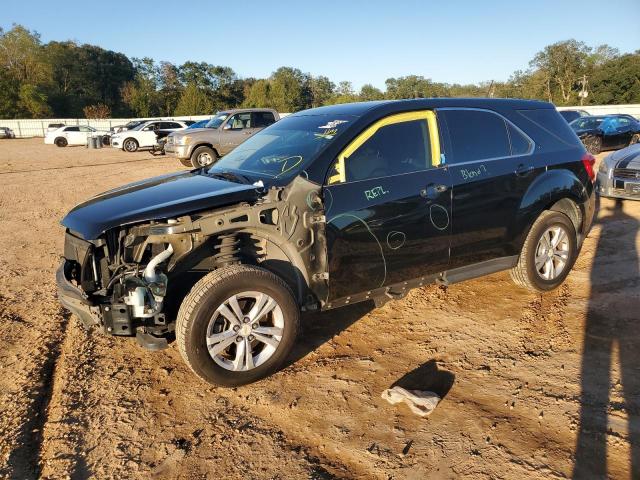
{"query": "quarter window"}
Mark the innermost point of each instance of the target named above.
(476, 135)
(520, 145)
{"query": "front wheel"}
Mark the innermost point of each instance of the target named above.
(130, 145)
(203, 157)
(237, 325)
(548, 253)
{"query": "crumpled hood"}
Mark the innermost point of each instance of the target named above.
(155, 198)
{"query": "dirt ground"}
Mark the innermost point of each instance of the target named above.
(535, 386)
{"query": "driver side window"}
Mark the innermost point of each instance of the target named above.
(393, 146)
(240, 121)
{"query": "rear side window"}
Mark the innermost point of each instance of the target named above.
(476, 135)
(520, 145)
(263, 119)
(550, 121)
(72, 129)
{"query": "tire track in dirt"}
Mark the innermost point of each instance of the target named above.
(30, 418)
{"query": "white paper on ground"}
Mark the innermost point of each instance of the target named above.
(420, 402)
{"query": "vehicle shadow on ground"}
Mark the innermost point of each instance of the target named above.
(318, 328)
(610, 326)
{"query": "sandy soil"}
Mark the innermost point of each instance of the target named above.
(534, 386)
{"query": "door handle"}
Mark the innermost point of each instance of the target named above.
(432, 191)
(524, 170)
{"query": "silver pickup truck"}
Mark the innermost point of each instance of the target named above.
(200, 147)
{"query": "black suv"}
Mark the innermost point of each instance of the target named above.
(325, 208)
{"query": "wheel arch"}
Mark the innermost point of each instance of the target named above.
(204, 144)
(559, 190)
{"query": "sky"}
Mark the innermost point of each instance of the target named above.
(359, 41)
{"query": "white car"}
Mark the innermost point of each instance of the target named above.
(73, 135)
(144, 135)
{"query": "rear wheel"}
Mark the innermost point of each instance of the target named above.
(61, 142)
(593, 145)
(237, 325)
(203, 157)
(130, 145)
(548, 253)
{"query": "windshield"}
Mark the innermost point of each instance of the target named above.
(285, 148)
(586, 122)
(216, 121)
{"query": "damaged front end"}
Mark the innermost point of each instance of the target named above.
(121, 281)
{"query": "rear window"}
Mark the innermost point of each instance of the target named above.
(550, 121)
(263, 119)
(476, 135)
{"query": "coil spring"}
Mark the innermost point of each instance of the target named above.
(227, 249)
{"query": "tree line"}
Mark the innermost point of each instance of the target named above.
(69, 80)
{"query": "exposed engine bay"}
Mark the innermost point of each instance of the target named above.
(123, 280)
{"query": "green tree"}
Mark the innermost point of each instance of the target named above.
(194, 101)
(259, 95)
(322, 89)
(369, 92)
(617, 81)
(34, 101)
(561, 65)
(290, 90)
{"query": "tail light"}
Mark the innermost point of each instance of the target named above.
(589, 161)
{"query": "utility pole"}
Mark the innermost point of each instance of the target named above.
(583, 91)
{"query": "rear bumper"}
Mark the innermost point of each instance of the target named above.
(74, 300)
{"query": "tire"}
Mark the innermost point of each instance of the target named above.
(635, 139)
(186, 162)
(130, 145)
(61, 142)
(198, 320)
(106, 140)
(526, 273)
(593, 145)
(203, 157)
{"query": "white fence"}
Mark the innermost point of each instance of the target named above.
(607, 109)
(37, 128)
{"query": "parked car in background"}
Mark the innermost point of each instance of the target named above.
(606, 132)
(6, 132)
(144, 135)
(199, 124)
(326, 208)
(74, 135)
(619, 174)
(571, 115)
(201, 147)
(54, 126)
(130, 125)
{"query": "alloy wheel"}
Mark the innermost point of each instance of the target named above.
(552, 252)
(245, 331)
